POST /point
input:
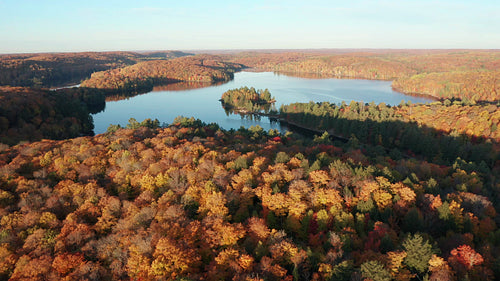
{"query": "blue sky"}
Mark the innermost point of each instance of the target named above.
(55, 25)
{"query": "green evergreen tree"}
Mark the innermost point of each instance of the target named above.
(418, 253)
(133, 124)
(342, 271)
(375, 271)
(281, 157)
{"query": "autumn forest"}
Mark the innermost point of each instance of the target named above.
(354, 191)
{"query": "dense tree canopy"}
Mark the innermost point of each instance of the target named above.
(439, 131)
(30, 114)
(195, 202)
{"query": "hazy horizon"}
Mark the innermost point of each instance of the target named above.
(235, 51)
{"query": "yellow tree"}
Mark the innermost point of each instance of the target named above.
(173, 259)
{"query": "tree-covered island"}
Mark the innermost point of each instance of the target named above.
(248, 101)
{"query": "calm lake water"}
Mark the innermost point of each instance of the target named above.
(169, 102)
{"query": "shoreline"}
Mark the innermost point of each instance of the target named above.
(319, 75)
(278, 118)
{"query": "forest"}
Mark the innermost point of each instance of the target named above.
(403, 192)
(34, 114)
(191, 201)
(444, 74)
(427, 130)
(53, 70)
(465, 75)
(143, 76)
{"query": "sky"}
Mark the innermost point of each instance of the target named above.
(112, 25)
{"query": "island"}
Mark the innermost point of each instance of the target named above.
(248, 101)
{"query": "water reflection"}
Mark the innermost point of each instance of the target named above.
(122, 96)
(244, 116)
(308, 75)
(201, 100)
(182, 86)
(170, 87)
(261, 109)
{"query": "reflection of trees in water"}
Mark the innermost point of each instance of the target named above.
(189, 85)
(307, 75)
(244, 115)
(315, 75)
(257, 110)
(121, 96)
(179, 86)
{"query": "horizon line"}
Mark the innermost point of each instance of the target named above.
(198, 50)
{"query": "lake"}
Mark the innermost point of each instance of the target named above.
(188, 99)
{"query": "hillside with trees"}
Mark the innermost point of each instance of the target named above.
(143, 76)
(467, 75)
(191, 201)
(53, 70)
(34, 114)
(466, 85)
(440, 132)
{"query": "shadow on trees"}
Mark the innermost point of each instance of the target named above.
(413, 139)
(34, 114)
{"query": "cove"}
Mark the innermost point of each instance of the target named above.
(193, 100)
